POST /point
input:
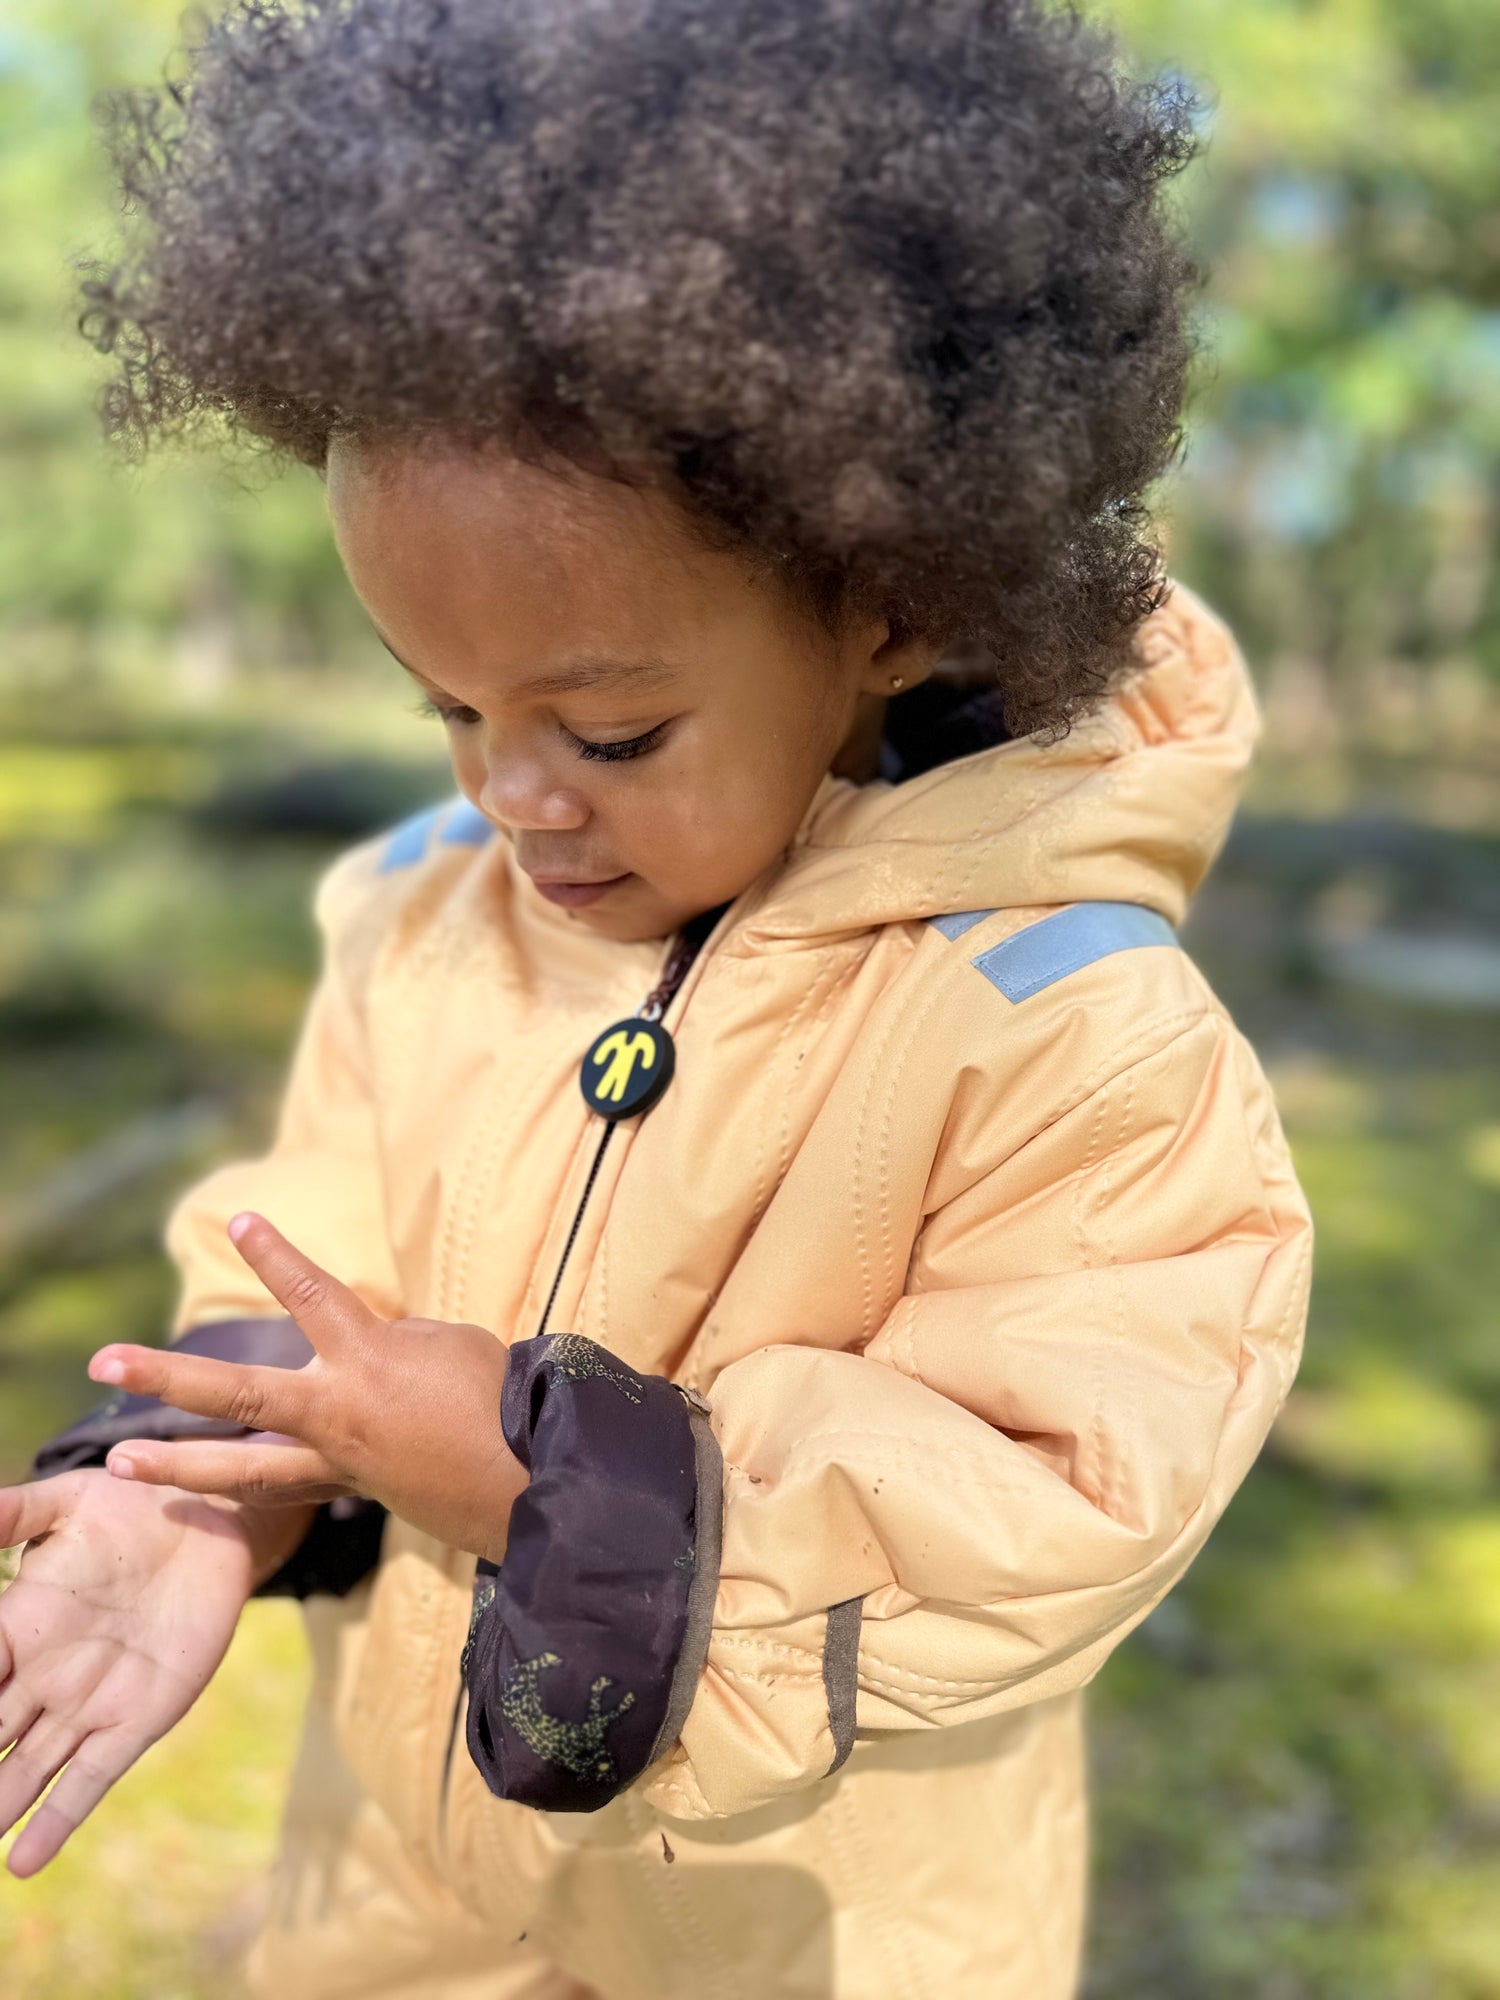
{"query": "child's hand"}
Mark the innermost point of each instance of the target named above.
(406, 1411)
(123, 1608)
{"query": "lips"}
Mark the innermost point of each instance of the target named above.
(572, 895)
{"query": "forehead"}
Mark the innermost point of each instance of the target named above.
(459, 549)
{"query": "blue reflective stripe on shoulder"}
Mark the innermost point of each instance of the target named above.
(1048, 951)
(465, 826)
(457, 825)
(408, 843)
(959, 922)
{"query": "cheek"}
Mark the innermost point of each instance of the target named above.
(723, 813)
(467, 757)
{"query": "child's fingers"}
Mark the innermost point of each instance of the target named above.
(233, 1470)
(262, 1399)
(106, 1756)
(328, 1312)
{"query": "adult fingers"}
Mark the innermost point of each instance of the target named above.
(329, 1313)
(262, 1399)
(94, 1767)
(28, 1769)
(236, 1470)
(18, 1710)
(29, 1511)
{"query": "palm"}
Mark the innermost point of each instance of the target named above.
(112, 1629)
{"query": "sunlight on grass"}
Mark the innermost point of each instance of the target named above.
(154, 1896)
(74, 790)
(1392, 1427)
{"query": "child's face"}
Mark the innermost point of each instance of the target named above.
(629, 708)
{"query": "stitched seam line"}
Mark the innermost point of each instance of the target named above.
(793, 1022)
(773, 1677)
(695, 1945)
(1080, 1237)
(834, 975)
(928, 1680)
(844, 1817)
(901, 1020)
(684, 1787)
(1140, 1048)
(480, 1166)
(751, 1640)
(900, 1447)
(1116, 1479)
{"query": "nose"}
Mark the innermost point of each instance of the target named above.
(519, 793)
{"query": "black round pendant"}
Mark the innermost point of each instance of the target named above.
(627, 1068)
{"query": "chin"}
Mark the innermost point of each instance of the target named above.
(627, 925)
(638, 912)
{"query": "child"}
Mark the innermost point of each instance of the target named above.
(790, 1260)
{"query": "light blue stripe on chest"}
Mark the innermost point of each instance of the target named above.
(1066, 942)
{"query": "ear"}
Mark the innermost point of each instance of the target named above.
(896, 664)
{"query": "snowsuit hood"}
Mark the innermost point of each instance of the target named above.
(1131, 806)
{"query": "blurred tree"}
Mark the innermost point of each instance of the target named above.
(1346, 435)
(98, 558)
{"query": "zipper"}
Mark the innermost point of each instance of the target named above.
(685, 949)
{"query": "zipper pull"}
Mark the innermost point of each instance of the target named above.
(628, 1066)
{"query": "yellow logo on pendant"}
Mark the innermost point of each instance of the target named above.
(628, 1067)
(621, 1051)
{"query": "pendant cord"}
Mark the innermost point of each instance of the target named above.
(685, 948)
(583, 1201)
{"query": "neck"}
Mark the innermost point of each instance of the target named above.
(858, 756)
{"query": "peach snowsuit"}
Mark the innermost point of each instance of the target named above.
(969, 1218)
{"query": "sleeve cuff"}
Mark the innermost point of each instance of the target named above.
(343, 1543)
(587, 1643)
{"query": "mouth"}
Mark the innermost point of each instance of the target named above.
(574, 895)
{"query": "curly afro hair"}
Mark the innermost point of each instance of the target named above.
(882, 290)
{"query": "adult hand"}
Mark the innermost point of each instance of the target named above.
(406, 1412)
(124, 1605)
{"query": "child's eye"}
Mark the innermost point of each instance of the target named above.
(633, 746)
(465, 718)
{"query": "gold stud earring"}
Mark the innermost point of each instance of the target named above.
(898, 681)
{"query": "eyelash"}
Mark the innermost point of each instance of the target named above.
(608, 753)
(464, 717)
(614, 753)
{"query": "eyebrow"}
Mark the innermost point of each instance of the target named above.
(592, 671)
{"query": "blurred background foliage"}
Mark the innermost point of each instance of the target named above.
(1298, 1756)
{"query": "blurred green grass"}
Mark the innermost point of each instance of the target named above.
(156, 1895)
